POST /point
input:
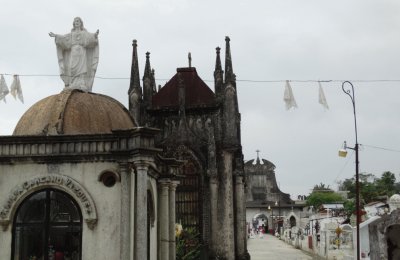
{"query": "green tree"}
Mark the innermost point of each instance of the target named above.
(317, 198)
(371, 188)
(386, 184)
(322, 188)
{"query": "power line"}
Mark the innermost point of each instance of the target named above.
(344, 166)
(238, 80)
(381, 148)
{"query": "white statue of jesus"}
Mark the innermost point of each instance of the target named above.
(78, 56)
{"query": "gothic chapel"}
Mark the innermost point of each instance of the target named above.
(82, 177)
(202, 128)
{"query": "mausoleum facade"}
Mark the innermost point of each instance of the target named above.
(80, 180)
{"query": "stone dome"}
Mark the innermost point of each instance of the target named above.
(74, 112)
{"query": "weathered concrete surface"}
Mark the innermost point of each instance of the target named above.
(270, 247)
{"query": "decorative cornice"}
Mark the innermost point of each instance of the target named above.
(56, 181)
(75, 148)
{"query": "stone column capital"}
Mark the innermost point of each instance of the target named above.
(173, 185)
(143, 165)
(164, 183)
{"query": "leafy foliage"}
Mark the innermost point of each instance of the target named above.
(371, 188)
(188, 246)
(321, 187)
(317, 198)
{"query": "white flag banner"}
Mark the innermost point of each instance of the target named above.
(321, 97)
(16, 90)
(3, 89)
(288, 97)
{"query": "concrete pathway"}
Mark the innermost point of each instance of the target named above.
(271, 248)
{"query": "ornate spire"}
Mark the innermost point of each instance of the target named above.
(135, 78)
(147, 68)
(154, 85)
(218, 73)
(229, 76)
(135, 91)
(258, 158)
(147, 82)
(230, 102)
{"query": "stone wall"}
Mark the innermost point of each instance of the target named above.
(106, 201)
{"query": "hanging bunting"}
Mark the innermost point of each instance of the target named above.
(288, 97)
(3, 89)
(16, 89)
(321, 97)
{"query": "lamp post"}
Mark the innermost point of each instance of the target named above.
(350, 93)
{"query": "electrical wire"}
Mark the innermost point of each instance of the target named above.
(381, 148)
(238, 80)
(344, 166)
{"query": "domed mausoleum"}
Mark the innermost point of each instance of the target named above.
(80, 180)
(74, 112)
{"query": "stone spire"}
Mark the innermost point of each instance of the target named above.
(135, 91)
(135, 78)
(258, 158)
(154, 85)
(147, 82)
(218, 73)
(230, 102)
(229, 76)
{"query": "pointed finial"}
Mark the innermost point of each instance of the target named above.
(218, 73)
(218, 66)
(154, 81)
(147, 68)
(135, 78)
(258, 158)
(190, 59)
(147, 82)
(228, 62)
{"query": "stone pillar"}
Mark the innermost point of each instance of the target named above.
(226, 235)
(172, 220)
(125, 224)
(240, 214)
(141, 212)
(163, 217)
(213, 213)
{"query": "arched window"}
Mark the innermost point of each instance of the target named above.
(292, 221)
(47, 226)
(188, 199)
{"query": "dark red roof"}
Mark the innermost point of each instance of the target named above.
(196, 91)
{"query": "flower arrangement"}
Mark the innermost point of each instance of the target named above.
(178, 230)
(188, 245)
(338, 231)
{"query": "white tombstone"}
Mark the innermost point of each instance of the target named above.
(394, 202)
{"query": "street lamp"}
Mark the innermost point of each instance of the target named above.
(350, 93)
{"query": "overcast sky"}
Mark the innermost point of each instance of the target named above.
(281, 40)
